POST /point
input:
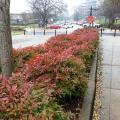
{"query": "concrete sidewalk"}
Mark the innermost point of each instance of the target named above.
(110, 77)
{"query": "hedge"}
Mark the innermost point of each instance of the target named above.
(48, 76)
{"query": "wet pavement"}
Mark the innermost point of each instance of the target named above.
(110, 109)
(21, 41)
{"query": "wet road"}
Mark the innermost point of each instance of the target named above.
(21, 41)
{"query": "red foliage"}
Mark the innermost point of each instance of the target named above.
(12, 92)
(45, 67)
(56, 61)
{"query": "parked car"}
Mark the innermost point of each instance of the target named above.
(55, 27)
(68, 26)
(86, 25)
(96, 25)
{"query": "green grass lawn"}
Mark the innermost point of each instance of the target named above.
(33, 25)
(17, 33)
(19, 29)
(100, 21)
(118, 22)
(24, 26)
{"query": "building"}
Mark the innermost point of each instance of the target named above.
(86, 6)
(93, 3)
(16, 19)
(23, 18)
(83, 9)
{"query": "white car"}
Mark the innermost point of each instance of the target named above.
(86, 25)
(67, 26)
(96, 25)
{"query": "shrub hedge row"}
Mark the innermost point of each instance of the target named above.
(47, 76)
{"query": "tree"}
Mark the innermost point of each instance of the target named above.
(27, 18)
(46, 9)
(110, 9)
(5, 39)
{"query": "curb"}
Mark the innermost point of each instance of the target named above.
(86, 113)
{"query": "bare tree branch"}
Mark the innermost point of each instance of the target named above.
(47, 9)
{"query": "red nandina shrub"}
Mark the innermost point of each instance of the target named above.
(51, 66)
(53, 72)
(14, 95)
(25, 100)
(21, 56)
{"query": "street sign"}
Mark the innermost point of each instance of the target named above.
(90, 19)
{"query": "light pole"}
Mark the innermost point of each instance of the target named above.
(91, 12)
(34, 27)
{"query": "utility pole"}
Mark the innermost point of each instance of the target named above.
(91, 13)
(91, 10)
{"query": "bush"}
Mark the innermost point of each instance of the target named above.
(48, 77)
(21, 56)
(24, 100)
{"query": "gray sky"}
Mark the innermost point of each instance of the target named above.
(18, 6)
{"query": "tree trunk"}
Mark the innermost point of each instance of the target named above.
(5, 39)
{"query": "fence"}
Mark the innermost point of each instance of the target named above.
(44, 32)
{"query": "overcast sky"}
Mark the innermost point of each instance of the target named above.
(18, 6)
